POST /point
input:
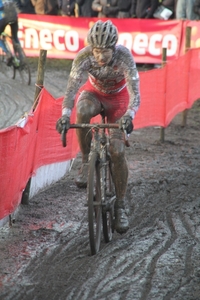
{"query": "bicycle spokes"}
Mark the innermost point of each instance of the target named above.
(8, 70)
(25, 73)
(94, 204)
(108, 208)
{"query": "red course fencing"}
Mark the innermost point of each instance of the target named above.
(164, 93)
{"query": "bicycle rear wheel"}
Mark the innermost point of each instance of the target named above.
(8, 71)
(108, 210)
(25, 73)
(94, 204)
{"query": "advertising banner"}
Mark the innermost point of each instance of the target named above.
(64, 37)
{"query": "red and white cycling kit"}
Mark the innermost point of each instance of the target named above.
(115, 85)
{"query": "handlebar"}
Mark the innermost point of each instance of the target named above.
(94, 125)
(126, 136)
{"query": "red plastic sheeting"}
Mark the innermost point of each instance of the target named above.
(164, 93)
(168, 91)
(24, 150)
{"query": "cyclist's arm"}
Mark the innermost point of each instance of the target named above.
(80, 64)
(133, 83)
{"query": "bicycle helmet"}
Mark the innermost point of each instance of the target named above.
(102, 35)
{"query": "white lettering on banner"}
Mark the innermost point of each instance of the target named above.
(155, 38)
(47, 40)
(56, 37)
(61, 40)
(31, 38)
(125, 39)
(72, 40)
(170, 42)
(142, 44)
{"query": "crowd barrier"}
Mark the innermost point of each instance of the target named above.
(164, 93)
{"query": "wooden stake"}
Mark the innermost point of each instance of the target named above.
(187, 47)
(40, 77)
(39, 85)
(164, 61)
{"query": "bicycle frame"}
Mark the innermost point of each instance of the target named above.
(4, 36)
(18, 61)
(100, 187)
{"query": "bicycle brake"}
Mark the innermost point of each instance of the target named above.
(126, 136)
(63, 135)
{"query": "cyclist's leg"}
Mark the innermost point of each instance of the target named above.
(87, 107)
(14, 31)
(120, 178)
(2, 28)
(119, 162)
(17, 47)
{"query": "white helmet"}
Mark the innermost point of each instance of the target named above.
(102, 35)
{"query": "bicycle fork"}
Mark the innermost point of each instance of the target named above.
(103, 181)
(104, 177)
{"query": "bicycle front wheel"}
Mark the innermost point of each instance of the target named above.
(94, 204)
(25, 73)
(8, 70)
(108, 210)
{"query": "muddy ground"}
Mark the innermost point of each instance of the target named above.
(46, 255)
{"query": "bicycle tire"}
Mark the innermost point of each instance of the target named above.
(94, 204)
(8, 71)
(108, 211)
(25, 73)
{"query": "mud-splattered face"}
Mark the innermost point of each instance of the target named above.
(102, 56)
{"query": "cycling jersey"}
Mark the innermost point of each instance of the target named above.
(114, 104)
(120, 73)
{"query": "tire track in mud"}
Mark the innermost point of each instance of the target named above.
(154, 260)
(16, 99)
(152, 266)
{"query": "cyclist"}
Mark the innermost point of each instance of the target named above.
(113, 84)
(8, 15)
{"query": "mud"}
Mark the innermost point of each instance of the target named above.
(46, 254)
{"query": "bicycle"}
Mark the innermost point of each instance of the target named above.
(18, 61)
(100, 187)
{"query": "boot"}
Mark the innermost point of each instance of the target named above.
(81, 180)
(121, 218)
